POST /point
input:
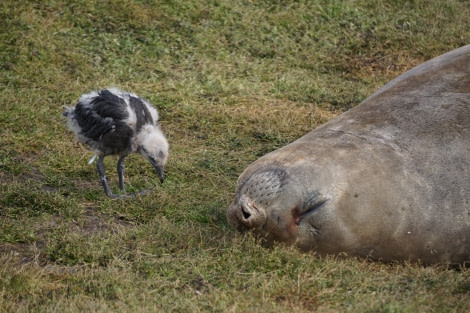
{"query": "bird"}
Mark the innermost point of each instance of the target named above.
(112, 121)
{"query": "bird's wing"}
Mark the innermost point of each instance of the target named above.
(144, 112)
(101, 114)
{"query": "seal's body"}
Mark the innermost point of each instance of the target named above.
(388, 179)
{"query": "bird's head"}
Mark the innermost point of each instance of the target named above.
(153, 145)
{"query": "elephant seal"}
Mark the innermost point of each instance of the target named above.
(387, 180)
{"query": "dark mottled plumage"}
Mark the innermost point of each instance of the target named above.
(142, 113)
(115, 122)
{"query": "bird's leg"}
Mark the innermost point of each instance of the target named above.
(120, 170)
(101, 171)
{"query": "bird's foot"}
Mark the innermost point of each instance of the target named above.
(140, 193)
(128, 195)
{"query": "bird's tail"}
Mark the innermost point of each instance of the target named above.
(92, 159)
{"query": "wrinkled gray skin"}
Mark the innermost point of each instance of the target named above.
(388, 180)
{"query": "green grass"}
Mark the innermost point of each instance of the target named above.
(232, 81)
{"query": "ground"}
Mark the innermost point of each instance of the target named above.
(232, 80)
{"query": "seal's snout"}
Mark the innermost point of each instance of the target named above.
(244, 215)
(256, 195)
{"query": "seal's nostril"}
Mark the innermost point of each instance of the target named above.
(246, 215)
(245, 212)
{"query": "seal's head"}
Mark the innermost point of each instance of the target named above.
(321, 202)
(274, 204)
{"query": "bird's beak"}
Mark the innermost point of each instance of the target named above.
(160, 173)
(158, 169)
